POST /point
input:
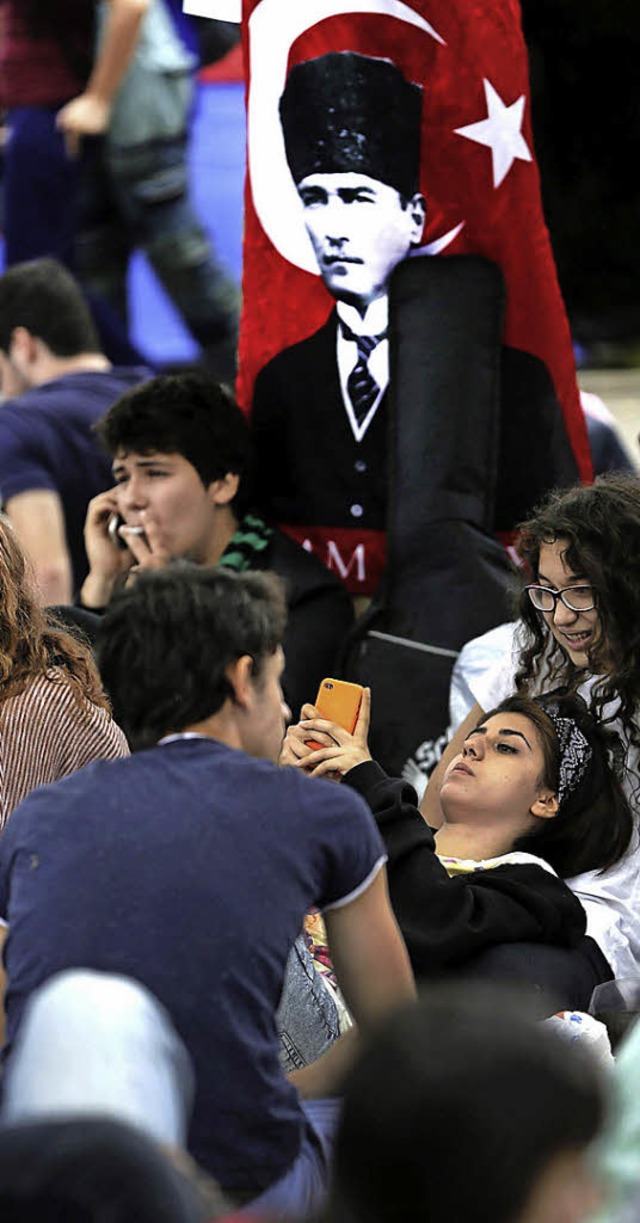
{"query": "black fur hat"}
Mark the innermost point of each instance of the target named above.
(347, 112)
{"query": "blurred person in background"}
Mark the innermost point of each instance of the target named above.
(95, 159)
(55, 383)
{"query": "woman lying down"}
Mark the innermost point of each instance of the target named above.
(532, 800)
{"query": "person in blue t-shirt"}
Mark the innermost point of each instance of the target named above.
(188, 870)
(56, 384)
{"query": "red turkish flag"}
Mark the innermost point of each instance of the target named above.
(478, 175)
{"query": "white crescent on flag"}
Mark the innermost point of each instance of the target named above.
(274, 26)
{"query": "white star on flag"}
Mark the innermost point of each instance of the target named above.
(501, 132)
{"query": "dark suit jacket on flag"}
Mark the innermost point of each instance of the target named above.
(481, 184)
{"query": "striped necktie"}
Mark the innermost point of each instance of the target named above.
(362, 387)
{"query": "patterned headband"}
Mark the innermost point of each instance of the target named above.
(576, 752)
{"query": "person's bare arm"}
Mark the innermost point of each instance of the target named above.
(38, 518)
(325, 1076)
(430, 805)
(90, 112)
(368, 954)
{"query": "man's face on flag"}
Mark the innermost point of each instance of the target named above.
(360, 228)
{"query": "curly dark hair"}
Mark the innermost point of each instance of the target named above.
(33, 644)
(600, 525)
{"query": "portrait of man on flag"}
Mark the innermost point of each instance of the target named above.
(404, 132)
(352, 129)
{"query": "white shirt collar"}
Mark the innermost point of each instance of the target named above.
(374, 322)
(376, 317)
(185, 734)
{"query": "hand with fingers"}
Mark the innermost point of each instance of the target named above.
(146, 546)
(86, 115)
(341, 751)
(109, 564)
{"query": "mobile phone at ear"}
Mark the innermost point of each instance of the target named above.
(113, 525)
(338, 701)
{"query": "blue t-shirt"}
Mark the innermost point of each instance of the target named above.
(47, 442)
(189, 867)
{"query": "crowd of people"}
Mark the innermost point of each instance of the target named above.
(153, 902)
(246, 973)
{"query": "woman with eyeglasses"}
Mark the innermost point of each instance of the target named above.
(579, 631)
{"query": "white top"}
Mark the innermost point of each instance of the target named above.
(611, 898)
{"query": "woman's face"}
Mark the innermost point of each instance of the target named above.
(497, 777)
(575, 632)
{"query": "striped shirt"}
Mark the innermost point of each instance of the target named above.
(45, 733)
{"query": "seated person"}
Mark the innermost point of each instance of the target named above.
(187, 869)
(529, 802)
(56, 383)
(54, 715)
(181, 458)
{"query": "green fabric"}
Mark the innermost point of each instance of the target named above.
(252, 537)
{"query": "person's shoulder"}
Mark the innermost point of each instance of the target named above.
(41, 695)
(303, 571)
(60, 801)
(50, 711)
(14, 411)
(303, 350)
(125, 375)
(488, 664)
(329, 806)
(55, 394)
(112, 381)
(288, 792)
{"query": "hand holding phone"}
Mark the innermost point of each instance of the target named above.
(345, 746)
(338, 701)
(113, 531)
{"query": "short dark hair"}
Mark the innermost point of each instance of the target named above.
(42, 296)
(165, 642)
(455, 1109)
(185, 414)
(593, 826)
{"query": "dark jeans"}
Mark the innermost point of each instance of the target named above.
(42, 188)
(92, 212)
(139, 198)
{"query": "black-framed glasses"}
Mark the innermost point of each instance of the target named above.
(576, 598)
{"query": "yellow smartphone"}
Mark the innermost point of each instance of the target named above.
(338, 701)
